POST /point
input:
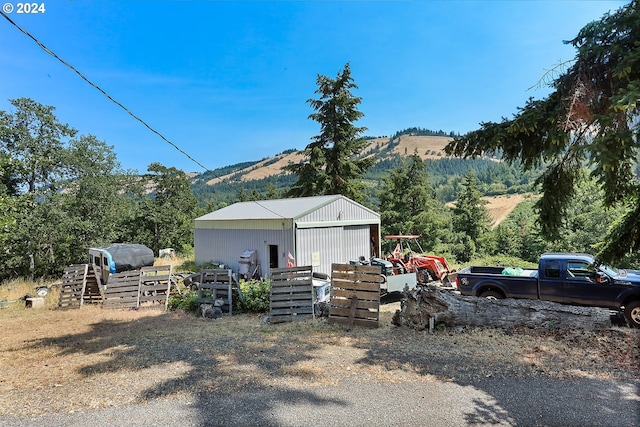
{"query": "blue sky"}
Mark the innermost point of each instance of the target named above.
(228, 81)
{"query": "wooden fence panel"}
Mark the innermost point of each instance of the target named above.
(73, 286)
(123, 290)
(155, 286)
(355, 295)
(291, 295)
(216, 284)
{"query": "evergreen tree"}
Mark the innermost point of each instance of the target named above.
(408, 205)
(470, 215)
(592, 115)
(332, 164)
(271, 192)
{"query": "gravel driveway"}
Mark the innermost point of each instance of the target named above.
(95, 367)
(498, 402)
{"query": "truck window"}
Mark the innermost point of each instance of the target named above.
(552, 269)
(581, 270)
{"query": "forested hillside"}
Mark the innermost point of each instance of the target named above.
(51, 213)
(264, 178)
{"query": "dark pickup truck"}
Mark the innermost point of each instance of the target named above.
(576, 279)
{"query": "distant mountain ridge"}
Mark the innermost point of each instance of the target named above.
(503, 185)
(426, 146)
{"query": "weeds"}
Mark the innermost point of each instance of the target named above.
(188, 301)
(256, 295)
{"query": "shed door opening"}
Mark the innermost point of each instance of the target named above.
(273, 256)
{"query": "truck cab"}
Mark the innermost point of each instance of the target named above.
(579, 279)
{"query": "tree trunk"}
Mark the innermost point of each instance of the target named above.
(452, 309)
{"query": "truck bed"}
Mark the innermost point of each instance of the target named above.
(504, 271)
(511, 282)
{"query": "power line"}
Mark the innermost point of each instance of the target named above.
(83, 77)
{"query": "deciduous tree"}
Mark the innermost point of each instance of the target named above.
(32, 143)
(170, 210)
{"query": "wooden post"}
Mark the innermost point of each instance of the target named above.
(352, 311)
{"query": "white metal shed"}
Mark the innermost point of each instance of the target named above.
(316, 231)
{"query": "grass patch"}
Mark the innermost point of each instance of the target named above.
(13, 293)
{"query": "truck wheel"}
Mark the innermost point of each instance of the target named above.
(491, 295)
(632, 314)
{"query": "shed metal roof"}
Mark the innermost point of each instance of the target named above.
(275, 209)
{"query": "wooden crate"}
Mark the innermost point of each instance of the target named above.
(291, 295)
(123, 290)
(72, 286)
(355, 295)
(216, 284)
(155, 286)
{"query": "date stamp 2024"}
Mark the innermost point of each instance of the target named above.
(24, 8)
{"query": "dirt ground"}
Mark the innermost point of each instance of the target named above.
(76, 359)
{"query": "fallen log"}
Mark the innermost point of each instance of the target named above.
(428, 305)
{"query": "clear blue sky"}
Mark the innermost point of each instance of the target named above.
(228, 81)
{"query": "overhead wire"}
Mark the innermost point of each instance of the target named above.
(119, 104)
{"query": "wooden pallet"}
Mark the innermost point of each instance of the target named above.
(216, 284)
(355, 295)
(93, 286)
(72, 286)
(123, 290)
(155, 286)
(291, 295)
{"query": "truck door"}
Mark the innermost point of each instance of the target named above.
(582, 288)
(550, 282)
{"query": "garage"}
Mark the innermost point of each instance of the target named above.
(257, 235)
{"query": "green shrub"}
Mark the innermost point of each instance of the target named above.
(190, 265)
(188, 301)
(256, 295)
(503, 261)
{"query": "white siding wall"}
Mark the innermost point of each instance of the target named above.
(340, 210)
(226, 246)
(333, 244)
(338, 232)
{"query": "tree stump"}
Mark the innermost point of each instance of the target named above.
(452, 309)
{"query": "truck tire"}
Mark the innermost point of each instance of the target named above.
(490, 294)
(632, 314)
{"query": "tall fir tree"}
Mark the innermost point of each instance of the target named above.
(408, 204)
(332, 162)
(470, 215)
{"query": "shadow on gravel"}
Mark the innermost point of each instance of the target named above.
(545, 401)
(219, 360)
(521, 392)
(248, 373)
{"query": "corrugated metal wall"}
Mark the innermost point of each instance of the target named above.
(340, 210)
(331, 245)
(225, 246)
